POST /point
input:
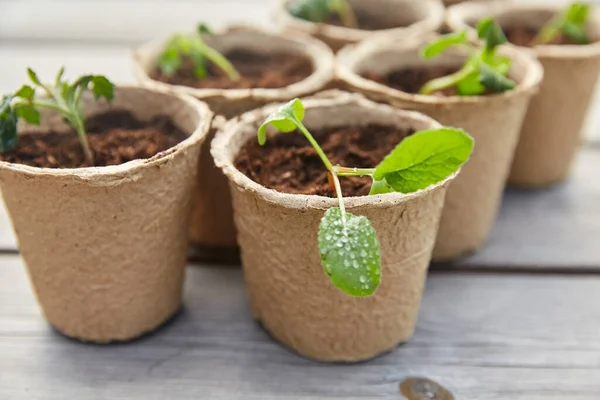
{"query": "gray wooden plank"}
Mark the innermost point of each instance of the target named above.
(481, 335)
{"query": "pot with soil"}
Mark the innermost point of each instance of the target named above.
(486, 94)
(317, 268)
(341, 22)
(552, 131)
(271, 68)
(99, 196)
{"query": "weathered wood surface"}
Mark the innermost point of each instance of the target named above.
(481, 335)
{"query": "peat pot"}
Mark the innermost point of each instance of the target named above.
(494, 121)
(552, 131)
(105, 247)
(211, 224)
(289, 292)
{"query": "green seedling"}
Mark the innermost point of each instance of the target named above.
(570, 22)
(348, 243)
(484, 71)
(195, 48)
(320, 11)
(60, 96)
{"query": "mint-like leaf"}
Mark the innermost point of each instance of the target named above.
(442, 44)
(26, 92)
(350, 252)
(425, 158)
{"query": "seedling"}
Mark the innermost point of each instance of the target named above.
(60, 96)
(320, 11)
(348, 243)
(484, 71)
(194, 48)
(570, 22)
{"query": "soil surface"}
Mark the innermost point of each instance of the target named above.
(411, 80)
(365, 23)
(289, 164)
(521, 35)
(266, 70)
(115, 137)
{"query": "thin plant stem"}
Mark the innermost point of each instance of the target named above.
(221, 61)
(340, 196)
(315, 145)
(345, 171)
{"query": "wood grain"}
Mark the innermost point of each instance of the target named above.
(483, 336)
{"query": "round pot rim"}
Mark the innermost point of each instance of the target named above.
(303, 201)
(350, 54)
(127, 170)
(318, 52)
(435, 16)
(456, 21)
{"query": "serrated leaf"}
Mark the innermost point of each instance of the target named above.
(494, 81)
(8, 126)
(439, 46)
(25, 92)
(425, 158)
(284, 119)
(490, 31)
(102, 87)
(33, 76)
(350, 252)
(28, 113)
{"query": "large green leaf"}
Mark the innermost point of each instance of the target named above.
(425, 158)
(350, 252)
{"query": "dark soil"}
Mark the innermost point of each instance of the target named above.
(365, 23)
(411, 80)
(289, 164)
(521, 35)
(115, 137)
(266, 70)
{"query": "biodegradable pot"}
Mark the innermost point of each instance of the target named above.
(212, 216)
(399, 17)
(494, 121)
(289, 291)
(105, 247)
(552, 131)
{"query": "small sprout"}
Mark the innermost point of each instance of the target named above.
(484, 71)
(60, 96)
(348, 244)
(570, 22)
(193, 47)
(320, 11)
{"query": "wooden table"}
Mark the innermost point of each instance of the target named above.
(520, 320)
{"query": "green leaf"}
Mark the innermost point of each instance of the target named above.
(494, 81)
(28, 113)
(576, 33)
(380, 187)
(489, 31)
(425, 158)
(33, 77)
(200, 70)
(204, 29)
(311, 10)
(26, 92)
(169, 61)
(8, 126)
(350, 252)
(577, 13)
(470, 86)
(59, 75)
(102, 87)
(437, 47)
(284, 119)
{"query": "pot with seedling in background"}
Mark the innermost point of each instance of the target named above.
(341, 22)
(97, 181)
(484, 90)
(336, 220)
(234, 70)
(567, 43)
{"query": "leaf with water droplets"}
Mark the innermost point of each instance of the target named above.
(350, 252)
